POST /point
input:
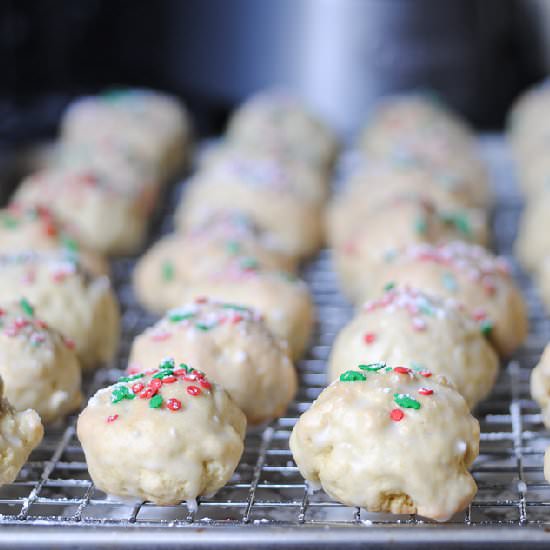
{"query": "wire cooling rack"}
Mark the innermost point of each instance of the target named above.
(53, 500)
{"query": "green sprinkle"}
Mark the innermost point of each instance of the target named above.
(131, 378)
(449, 282)
(120, 393)
(168, 271)
(406, 401)
(69, 244)
(9, 222)
(155, 402)
(389, 286)
(235, 306)
(250, 263)
(421, 225)
(163, 374)
(388, 369)
(167, 364)
(372, 367)
(459, 221)
(26, 307)
(185, 367)
(486, 327)
(233, 247)
(352, 376)
(202, 326)
(178, 317)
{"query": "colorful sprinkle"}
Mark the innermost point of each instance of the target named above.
(369, 338)
(372, 367)
(193, 390)
(120, 393)
(176, 317)
(112, 418)
(173, 404)
(26, 307)
(406, 401)
(402, 370)
(396, 415)
(425, 391)
(156, 402)
(168, 271)
(352, 376)
(389, 286)
(486, 327)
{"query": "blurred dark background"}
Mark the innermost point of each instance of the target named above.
(340, 54)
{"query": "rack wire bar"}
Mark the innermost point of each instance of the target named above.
(267, 502)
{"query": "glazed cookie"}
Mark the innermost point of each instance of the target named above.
(274, 206)
(419, 132)
(287, 173)
(234, 348)
(101, 216)
(374, 184)
(276, 122)
(469, 274)
(82, 308)
(540, 385)
(283, 299)
(20, 433)
(176, 260)
(400, 222)
(154, 125)
(409, 327)
(36, 228)
(533, 241)
(166, 436)
(37, 364)
(390, 440)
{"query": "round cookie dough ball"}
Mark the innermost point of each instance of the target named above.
(154, 125)
(38, 366)
(234, 348)
(37, 228)
(390, 440)
(540, 385)
(533, 241)
(408, 327)
(416, 131)
(276, 122)
(288, 173)
(376, 183)
(272, 204)
(176, 260)
(284, 300)
(472, 276)
(165, 436)
(400, 222)
(20, 433)
(82, 308)
(101, 216)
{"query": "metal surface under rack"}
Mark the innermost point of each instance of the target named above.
(266, 502)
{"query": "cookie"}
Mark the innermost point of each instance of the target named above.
(166, 436)
(234, 348)
(405, 326)
(38, 365)
(390, 440)
(469, 274)
(20, 433)
(83, 308)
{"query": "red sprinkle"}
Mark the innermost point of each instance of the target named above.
(169, 379)
(369, 338)
(425, 373)
(147, 393)
(112, 418)
(50, 229)
(155, 383)
(396, 415)
(237, 318)
(161, 336)
(205, 384)
(137, 387)
(193, 390)
(479, 315)
(425, 391)
(201, 300)
(173, 404)
(402, 370)
(180, 372)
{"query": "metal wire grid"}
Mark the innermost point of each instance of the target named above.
(54, 487)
